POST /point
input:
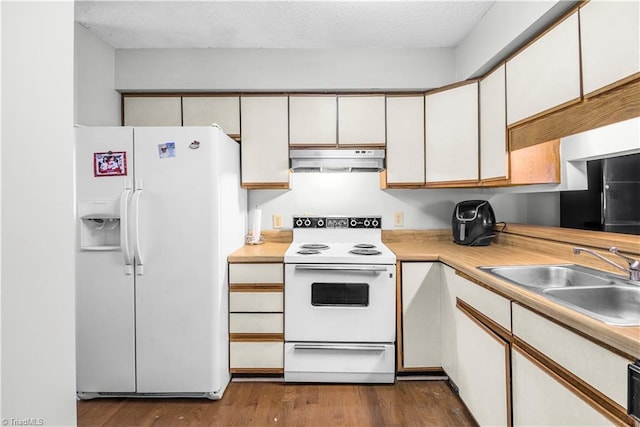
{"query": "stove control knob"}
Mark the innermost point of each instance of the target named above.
(299, 222)
(307, 222)
(367, 223)
(354, 223)
(375, 223)
(320, 223)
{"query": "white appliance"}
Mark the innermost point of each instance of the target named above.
(340, 305)
(158, 210)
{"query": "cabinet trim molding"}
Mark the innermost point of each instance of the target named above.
(265, 185)
(577, 386)
(256, 287)
(485, 321)
(619, 104)
(257, 337)
(253, 371)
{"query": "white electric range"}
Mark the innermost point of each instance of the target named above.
(340, 302)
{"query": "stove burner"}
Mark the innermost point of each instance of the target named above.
(365, 246)
(315, 246)
(365, 252)
(308, 252)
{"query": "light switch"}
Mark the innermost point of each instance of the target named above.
(277, 221)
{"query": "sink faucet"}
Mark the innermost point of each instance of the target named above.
(634, 264)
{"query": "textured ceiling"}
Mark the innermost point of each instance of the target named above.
(280, 24)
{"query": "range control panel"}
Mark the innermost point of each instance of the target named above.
(337, 222)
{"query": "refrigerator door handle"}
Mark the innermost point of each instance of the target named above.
(137, 252)
(124, 229)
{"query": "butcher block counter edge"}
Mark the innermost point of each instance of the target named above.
(519, 244)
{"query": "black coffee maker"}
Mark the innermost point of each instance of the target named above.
(472, 223)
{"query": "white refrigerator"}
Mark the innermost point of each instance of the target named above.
(158, 211)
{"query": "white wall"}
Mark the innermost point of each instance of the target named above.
(96, 102)
(283, 69)
(504, 28)
(360, 194)
(38, 332)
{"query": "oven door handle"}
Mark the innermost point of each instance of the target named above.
(326, 267)
(334, 347)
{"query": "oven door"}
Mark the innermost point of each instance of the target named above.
(340, 303)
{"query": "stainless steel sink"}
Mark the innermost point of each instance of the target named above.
(616, 305)
(603, 296)
(547, 276)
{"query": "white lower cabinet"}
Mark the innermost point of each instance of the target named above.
(421, 315)
(483, 379)
(256, 318)
(449, 316)
(474, 357)
(539, 399)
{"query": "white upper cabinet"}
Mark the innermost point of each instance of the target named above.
(152, 111)
(265, 141)
(451, 118)
(494, 157)
(546, 74)
(207, 110)
(405, 139)
(610, 38)
(313, 119)
(361, 120)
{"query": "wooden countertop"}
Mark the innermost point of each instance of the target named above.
(466, 259)
(267, 252)
(436, 246)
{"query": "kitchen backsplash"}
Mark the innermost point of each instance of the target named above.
(360, 194)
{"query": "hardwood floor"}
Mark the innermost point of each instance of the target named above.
(405, 403)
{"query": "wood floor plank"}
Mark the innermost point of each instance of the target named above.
(405, 403)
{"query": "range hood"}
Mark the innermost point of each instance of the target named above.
(364, 160)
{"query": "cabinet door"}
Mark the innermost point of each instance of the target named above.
(265, 141)
(483, 379)
(152, 111)
(405, 140)
(494, 157)
(313, 120)
(207, 110)
(451, 119)
(540, 399)
(448, 319)
(421, 315)
(610, 42)
(546, 74)
(361, 120)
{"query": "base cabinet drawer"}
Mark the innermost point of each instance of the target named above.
(256, 323)
(256, 273)
(603, 370)
(541, 399)
(269, 302)
(256, 355)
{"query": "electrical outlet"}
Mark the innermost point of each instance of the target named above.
(398, 219)
(277, 221)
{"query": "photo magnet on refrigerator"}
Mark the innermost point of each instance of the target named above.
(110, 163)
(166, 150)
